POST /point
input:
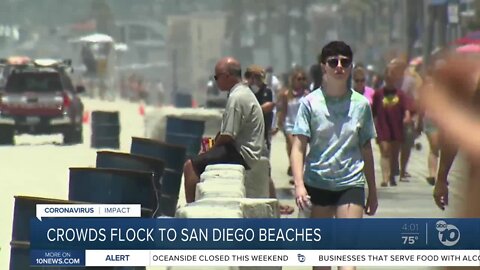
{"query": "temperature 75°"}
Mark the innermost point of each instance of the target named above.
(409, 240)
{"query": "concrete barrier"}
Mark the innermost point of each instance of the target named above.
(220, 189)
(257, 180)
(209, 211)
(156, 120)
(226, 167)
(251, 208)
(222, 192)
(222, 174)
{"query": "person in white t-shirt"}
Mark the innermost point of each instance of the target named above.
(275, 85)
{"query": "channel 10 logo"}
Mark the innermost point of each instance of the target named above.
(448, 234)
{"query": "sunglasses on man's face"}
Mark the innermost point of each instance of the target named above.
(344, 62)
(216, 77)
(301, 79)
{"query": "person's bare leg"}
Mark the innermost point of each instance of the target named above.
(394, 154)
(434, 142)
(405, 153)
(191, 181)
(349, 211)
(289, 140)
(322, 212)
(272, 191)
(385, 154)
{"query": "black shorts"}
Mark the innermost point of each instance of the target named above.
(222, 154)
(323, 197)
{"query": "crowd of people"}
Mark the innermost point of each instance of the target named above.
(331, 118)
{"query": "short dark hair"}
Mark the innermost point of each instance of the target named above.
(335, 48)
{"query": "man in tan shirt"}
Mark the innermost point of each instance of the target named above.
(241, 136)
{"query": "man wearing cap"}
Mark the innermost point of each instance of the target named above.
(255, 78)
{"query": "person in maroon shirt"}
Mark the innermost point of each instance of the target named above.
(390, 110)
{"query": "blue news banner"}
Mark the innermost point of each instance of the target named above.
(69, 238)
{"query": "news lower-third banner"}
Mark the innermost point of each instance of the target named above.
(251, 242)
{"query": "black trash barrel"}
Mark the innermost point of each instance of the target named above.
(127, 161)
(24, 209)
(20, 255)
(185, 132)
(172, 155)
(183, 100)
(113, 186)
(169, 193)
(105, 129)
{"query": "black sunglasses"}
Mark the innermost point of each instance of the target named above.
(359, 80)
(344, 62)
(216, 77)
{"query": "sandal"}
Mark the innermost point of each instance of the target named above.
(383, 184)
(286, 209)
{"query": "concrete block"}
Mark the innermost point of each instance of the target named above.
(251, 208)
(219, 189)
(222, 174)
(257, 179)
(228, 167)
(156, 120)
(260, 208)
(210, 211)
